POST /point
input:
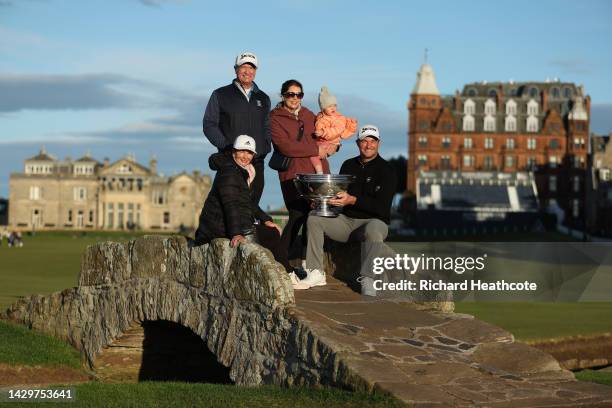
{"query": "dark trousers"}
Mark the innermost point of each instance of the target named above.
(268, 237)
(298, 209)
(257, 185)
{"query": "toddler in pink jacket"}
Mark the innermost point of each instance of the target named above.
(331, 126)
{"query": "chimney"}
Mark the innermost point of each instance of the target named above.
(458, 102)
(153, 165)
(544, 101)
(500, 96)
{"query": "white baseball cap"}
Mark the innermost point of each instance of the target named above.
(246, 58)
(244, 142)
(369, 130)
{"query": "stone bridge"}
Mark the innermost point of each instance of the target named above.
(241, 305)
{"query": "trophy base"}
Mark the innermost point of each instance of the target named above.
(324, 209)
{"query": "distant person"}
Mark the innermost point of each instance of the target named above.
(365, 214)
(331, 126)
(241, 108)
(293, 134)
(229, 210)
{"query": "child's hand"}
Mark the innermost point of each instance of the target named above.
(318, 133)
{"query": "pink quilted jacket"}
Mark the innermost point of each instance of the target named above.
(335, 127)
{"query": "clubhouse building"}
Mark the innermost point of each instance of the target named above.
(86, 194)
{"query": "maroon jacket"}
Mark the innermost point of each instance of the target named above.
(285, 129)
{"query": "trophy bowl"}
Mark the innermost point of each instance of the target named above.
(320, 188)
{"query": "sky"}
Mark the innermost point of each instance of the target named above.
(133, 76)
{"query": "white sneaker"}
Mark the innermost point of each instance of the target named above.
(315, 278)
(294, 279)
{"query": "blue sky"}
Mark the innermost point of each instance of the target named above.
(129, 76)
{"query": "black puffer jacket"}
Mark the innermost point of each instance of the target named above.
(228, 209)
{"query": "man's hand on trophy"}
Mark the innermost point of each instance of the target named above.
(343, 198)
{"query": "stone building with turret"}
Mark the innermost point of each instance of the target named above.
(86, 194)
(535, 133)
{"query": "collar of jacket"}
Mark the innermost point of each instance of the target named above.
(254, 88)
(368, 163)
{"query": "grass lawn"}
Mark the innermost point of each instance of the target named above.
(160, 394)
(537, 321)
(20, 346)
(48, 262)
(597, 376)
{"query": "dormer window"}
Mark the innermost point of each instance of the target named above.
(567, 92)
(556, 93)
(510, 124)
(489, 123)
(533, 92)
(469, 108)
(489, 107)
(532, 107)
(472, 92)
(532, 124)
(468, 123)
(492, 93)
(511, 107)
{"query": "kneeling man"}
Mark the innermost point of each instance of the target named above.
(366, 207)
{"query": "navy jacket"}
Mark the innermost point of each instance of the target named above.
(229, 114)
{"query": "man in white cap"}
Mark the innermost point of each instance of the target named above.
(241, 108)
(365, 214)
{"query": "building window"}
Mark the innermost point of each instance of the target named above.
(575, 208)
(576, 184)
(166, 217)
(510, 124)
(423, 125)
(469, 108)
(110, 215)
(423, 141)
(556, 93)
(488, 163)
(488, 143)
(532, 107)
(511, 107)
(422, 159)
(531, 143)
(553, 161)
(554, 144)
(79, 194)
(531, 163)
(510, 144)
(604, 174)
(446, 142)
(130, 214)
(578, 162)
(567, 92)
(120, 222)
(468, 123)
(445, 162)
(468, 160)
(533, 92)
(70, 216)
(91, 216)
(552, 183)
(489, 107)
(509, 162)
(159, 197)
(467, 143)
(35, 193)
(472, 92)
(532, 124)
(489, 123)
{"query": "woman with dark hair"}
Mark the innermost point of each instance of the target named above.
(293, 134)
(229, 210)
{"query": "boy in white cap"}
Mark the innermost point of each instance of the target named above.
(331, 126)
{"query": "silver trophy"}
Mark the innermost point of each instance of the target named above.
(320, 188)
